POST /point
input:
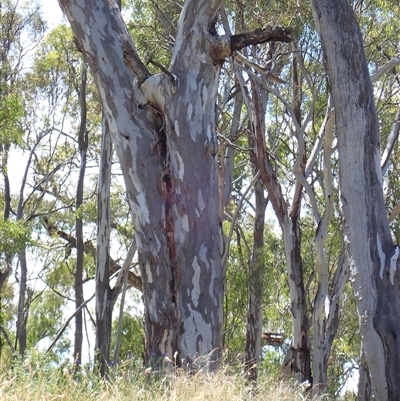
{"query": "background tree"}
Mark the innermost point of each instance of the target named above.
(372, 255)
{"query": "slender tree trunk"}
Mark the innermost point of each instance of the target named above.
(103, 290)
(299, 353)
(321, 310)
(104, 293)
(78, 285)
(301, 366)
(24, 298)
(22, 311)
(252, 350)
(298, 358)
(7, 269)
(4, 169)
(372, 255)
(297, 361)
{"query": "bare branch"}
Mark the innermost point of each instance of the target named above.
(383, 70)
(63, 328)
(3, 330)
(163, 69)
(394, 134)
(133, 279)
(238, 208)
(124, 270)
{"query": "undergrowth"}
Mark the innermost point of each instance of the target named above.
(40, 381)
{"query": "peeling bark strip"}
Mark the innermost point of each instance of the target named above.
(366, 229)
(164, 134)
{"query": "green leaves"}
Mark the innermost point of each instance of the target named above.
(14, 236)
(11, 113)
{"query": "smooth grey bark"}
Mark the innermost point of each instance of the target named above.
(104, 293)
(372, 255)
(103, 290)
(163, 130)
(326, 306)
(254, 326)
(78, 276)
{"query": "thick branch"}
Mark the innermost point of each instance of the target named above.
(225, 45)
(384, 69)
(261, 35)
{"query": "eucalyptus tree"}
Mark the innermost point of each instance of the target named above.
(163, 130)
(371, 252)
(21, 28)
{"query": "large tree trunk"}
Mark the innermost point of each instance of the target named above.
(163, 130)
(372, 256)
(170, 172)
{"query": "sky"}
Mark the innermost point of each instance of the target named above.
(52, 12)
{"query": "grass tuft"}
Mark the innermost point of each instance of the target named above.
(46, 383)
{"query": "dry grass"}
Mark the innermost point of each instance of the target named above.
(46, 384)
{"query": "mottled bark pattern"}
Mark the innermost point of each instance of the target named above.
(366, 229)
(168, 163)
(103, 291)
